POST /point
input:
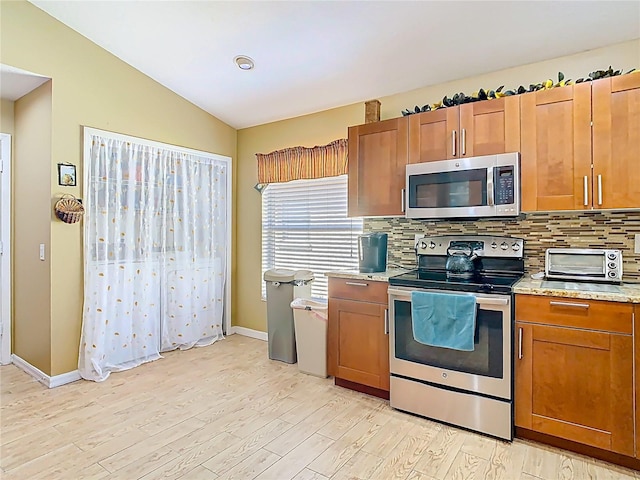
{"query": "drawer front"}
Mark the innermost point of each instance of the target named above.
(612, 317)
(360, 290)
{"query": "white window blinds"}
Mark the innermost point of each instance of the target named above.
(305, 226)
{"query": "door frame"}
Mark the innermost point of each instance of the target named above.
(5, 257)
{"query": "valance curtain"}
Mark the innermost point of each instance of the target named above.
(303, 163)
(155, 247)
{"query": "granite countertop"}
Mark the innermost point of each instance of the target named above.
(356, 275)
(626, 292)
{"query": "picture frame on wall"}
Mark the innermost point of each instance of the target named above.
(66, 175)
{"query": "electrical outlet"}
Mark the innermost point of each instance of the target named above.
(636, 249)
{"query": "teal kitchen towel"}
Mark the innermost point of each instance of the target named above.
(444, 320)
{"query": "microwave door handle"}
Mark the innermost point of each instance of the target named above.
(490, 199)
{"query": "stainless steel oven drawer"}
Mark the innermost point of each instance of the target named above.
(474, 412)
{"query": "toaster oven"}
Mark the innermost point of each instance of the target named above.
(584, 264)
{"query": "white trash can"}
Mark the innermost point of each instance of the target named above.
(310, 317)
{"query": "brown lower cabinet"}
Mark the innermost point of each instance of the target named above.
(574, 371)
(358, 340)
(636, 337)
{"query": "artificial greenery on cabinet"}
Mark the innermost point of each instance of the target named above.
(482, 94)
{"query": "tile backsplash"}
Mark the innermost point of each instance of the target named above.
(539, 231)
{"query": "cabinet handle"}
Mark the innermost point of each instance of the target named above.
(453, 142)
(520, 343)
(464, 141)
(586, 191)
(402, 200)
(357, 284)
(569, 304)
(386, 321)
(599, 189)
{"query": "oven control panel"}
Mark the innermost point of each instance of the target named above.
(481, 245)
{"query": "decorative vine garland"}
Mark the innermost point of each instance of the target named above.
(460, 98)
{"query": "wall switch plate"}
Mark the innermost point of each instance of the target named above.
(42, 251)
(636, 249)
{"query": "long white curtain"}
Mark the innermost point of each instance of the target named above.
(155, 245)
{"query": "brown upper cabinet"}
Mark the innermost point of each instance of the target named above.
(377, 160)
(380, 151)
(472, 129)
(616, 142)
(572, 136)
(556, 149)
(579, 147)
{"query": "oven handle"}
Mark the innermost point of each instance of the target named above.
(406, 295)
(492, 301)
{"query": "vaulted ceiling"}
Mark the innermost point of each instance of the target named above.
(314, 55)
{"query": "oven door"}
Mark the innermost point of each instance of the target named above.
(485, 370)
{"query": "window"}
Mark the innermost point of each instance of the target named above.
(305, 227)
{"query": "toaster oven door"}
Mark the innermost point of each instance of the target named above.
(576, 264)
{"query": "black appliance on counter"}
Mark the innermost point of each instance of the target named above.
(372, 252)
(471, 389)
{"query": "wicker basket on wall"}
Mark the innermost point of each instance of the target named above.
(69, 209)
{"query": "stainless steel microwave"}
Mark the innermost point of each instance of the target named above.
(583, 264)
(487, 186)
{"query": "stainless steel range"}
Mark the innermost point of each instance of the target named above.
(470, 389)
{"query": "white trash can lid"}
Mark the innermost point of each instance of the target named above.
(283, 275)
(308, 304)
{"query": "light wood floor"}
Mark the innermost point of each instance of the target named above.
(227, 412)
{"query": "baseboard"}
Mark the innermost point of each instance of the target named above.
(64, 378)
(248, 332)
(586, 450)
(43, 378)
(35, 372)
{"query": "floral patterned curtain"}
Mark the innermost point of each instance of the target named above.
(300, 162)
(155, 247)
